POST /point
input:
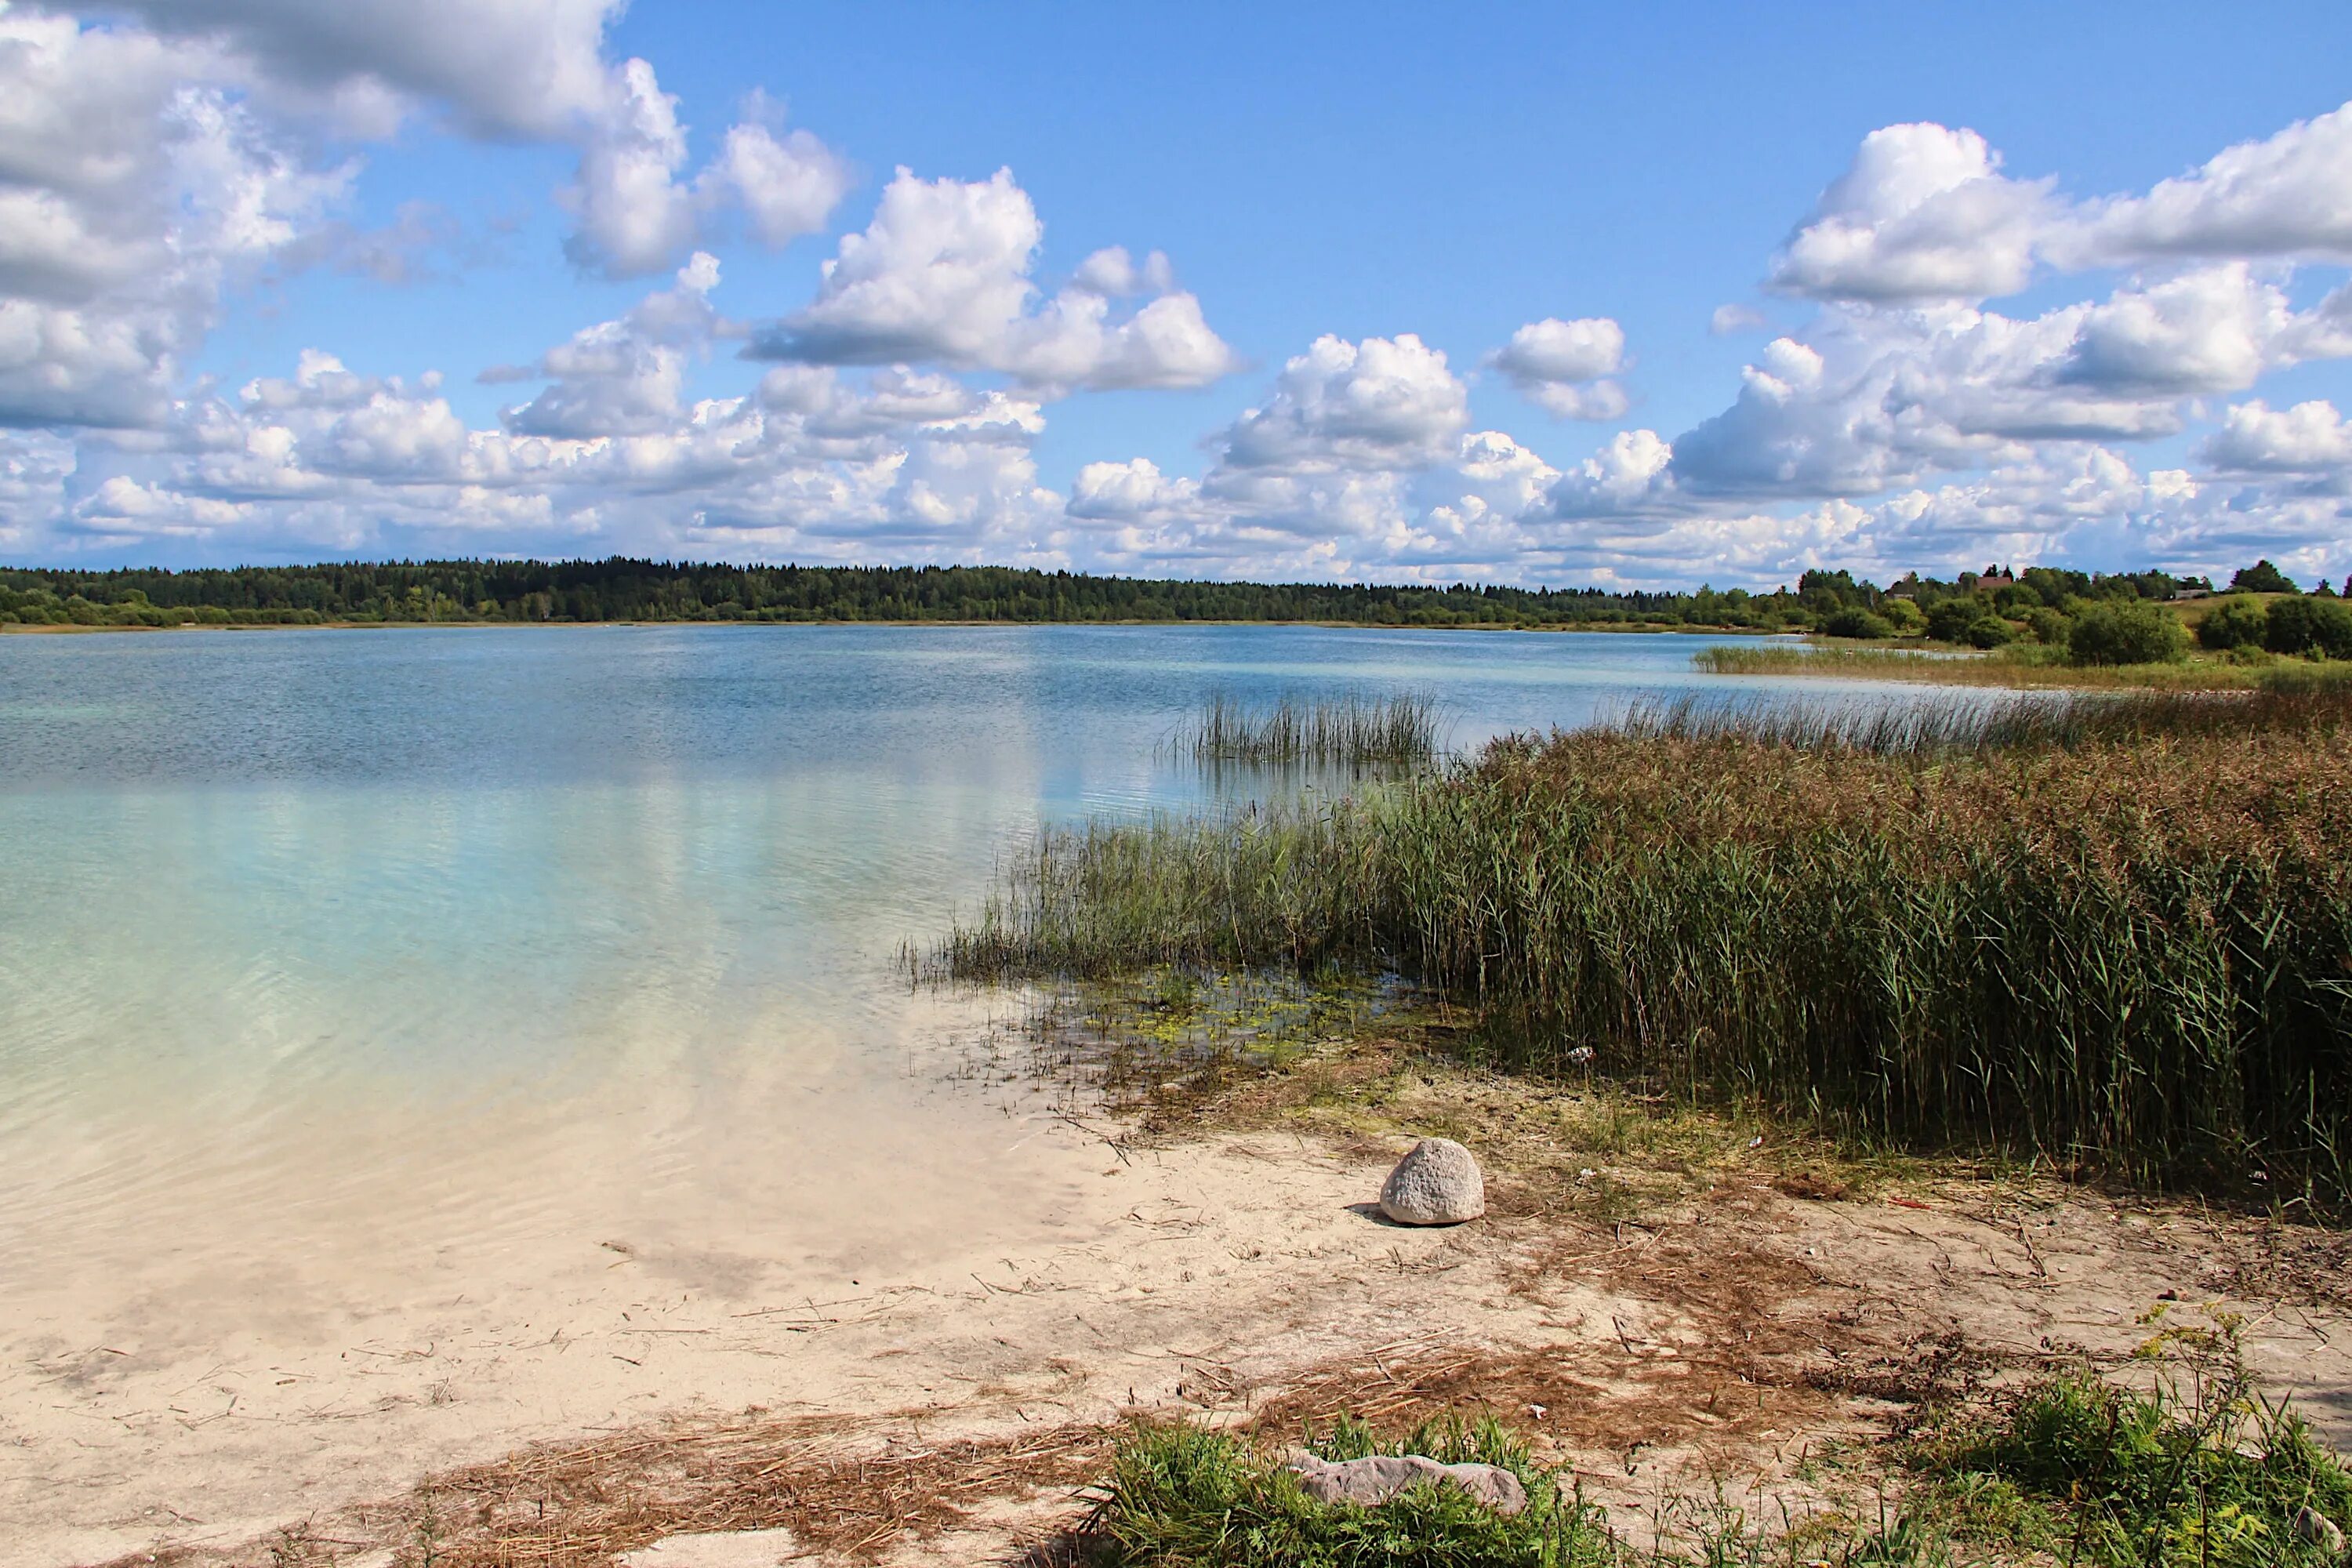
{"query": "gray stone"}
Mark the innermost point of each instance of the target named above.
(1437, 1183)
(1369, 1483)
(2313, 1528)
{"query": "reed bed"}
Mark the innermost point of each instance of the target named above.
(1398, 731)
(2113, 933)
(2009, 668)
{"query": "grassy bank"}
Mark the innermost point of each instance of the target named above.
(2025, 668)
(2112, 934)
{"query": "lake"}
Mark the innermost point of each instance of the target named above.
(371, 987)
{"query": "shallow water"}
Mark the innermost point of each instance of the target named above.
(465, 936)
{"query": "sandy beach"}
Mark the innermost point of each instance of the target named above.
(1234, 1276)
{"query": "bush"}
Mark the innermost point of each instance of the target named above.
(1855, 622)
(1991, 631)
(2309, 626)
(2237, 620)
(1905, 615)
(1948, 620)
(2050, 626)
(2128, 631)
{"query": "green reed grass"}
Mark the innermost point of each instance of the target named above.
(1400, 730)
(2018, 666)
(2117, 932)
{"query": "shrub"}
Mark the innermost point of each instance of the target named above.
(2309, 626)
(2128, 631)
(1856, 622)
(1905, 615)
(2237, 621)
(1948, 620)
(2050, 626)
(1991, 631)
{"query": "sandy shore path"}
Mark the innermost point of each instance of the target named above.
(1225, 1275)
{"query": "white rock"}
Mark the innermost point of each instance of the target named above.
(724, 1549)
(1368, 1483)
(1437, 1183)
(2313, 1528)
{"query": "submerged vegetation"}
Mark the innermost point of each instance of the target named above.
(1352, 730)
(2108, 932)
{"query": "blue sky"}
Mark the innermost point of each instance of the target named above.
(261, 331)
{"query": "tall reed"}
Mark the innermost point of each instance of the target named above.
(2117, 932)
(1400, 730)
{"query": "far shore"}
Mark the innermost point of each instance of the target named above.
(8, 628)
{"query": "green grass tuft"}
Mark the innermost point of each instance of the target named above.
(2199, 1472)
(1399, 730)
(1184, 1497)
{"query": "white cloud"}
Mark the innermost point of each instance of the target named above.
(1923, 214)
(624, 377)
(1563, 365)
(529, 70)
(1731, 320)
(2310, 437)
(633, 214)
(1627, 478)
(786, 182)
(1382, 404)
(2288, 195)
(942, 276)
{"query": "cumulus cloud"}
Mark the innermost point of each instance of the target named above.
(623, 377)
(1565, 366)
(2310, 437)
(786, 182)
(1386, 403)
(2288, 195)
(1923, 214)
(529, 70)
(942, 275)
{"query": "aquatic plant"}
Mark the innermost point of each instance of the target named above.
(1400, 730)
(2113, 933)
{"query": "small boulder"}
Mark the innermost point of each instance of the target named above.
(2313, 1528)
(1437, 1183)
(1369, 1483)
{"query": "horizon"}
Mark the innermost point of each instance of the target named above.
(574, 279)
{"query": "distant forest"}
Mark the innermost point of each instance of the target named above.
(626, 590)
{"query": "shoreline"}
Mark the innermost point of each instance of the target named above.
(15, 628)
(1759, 1306)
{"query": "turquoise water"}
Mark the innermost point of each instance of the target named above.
(299, 918)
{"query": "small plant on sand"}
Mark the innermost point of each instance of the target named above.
(1185, 1497)
(2198, 1471)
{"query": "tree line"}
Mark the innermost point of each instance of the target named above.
(623, 589)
